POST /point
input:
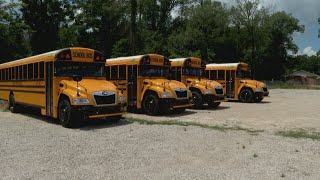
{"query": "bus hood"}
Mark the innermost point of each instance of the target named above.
(255, 83)
(165, 83)
(90, 85)
(204, 82)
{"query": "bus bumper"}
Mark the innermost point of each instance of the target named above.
(90, 112)
(214, 98)
(177, 103)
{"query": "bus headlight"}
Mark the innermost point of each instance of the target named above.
(259, 89)
(166, 95)
(123, 99)
(78, 101)
(207, 91)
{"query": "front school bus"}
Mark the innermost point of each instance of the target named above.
(67, 84)
(191, 72)
(144, 79)
(237, 81)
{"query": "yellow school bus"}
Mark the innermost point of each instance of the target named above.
(67, 84)
(191, 72)
(144, 79)
(237, 81)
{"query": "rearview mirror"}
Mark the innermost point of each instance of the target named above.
(76, 78)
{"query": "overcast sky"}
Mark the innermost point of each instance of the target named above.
(308, 12)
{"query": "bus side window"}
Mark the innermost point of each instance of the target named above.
(173, 73)
(221, 75)
(122, 72)
(108, 72)
(36, 70)
(30, 71)
(41, 64)
(20, 72)
(25, 72)
(114, 72)
(179, 74)
(207, 74)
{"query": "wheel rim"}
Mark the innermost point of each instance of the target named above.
(195, 100)
(246, 96)
(64, 113)
(150, 104)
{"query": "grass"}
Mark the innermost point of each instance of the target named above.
(300, 134)
(179, 123)
(283, 85)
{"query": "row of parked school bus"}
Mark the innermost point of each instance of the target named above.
(80, 83)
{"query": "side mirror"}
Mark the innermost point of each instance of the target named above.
(76, 78)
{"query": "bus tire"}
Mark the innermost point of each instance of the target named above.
(197, 99)
(115, 119)
(13, 107)
(150, 105)
(66, 114)
(214, 104)
(258, 99)
(246, 96)
(180, 110)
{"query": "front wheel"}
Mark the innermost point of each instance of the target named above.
(151, 105)
(246, 96)
(65, 114)
(197, 99)
(214, 104)
(180, 110)
(258, 99)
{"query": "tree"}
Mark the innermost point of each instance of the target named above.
(13, 33)
(44, 17)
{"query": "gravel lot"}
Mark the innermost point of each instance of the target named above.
(32, 147)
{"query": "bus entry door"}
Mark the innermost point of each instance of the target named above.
(49, 88)
(230, 83)
(132, 86)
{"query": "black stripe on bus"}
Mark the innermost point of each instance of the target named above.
(23, 86)
(26, 104)
(36, 92)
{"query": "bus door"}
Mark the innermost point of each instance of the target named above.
(49, 88)
(132, 85)
(230, 83)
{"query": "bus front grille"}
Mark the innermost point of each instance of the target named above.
(219, 91)
(182, 94)
(105, 100)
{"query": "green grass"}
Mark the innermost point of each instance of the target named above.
(284, 85)
(179, 123)
(300, 134)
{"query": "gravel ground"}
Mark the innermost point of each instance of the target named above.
(32, 147)
(283, 110)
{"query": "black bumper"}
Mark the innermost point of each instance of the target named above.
(212, 97)
(89, 111)
(174, 102)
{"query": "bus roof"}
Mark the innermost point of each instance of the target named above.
(226, 66)
(181, 62)
(132, 60)
(46, 57)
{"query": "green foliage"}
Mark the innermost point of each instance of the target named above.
(175, 28)
(13, 33)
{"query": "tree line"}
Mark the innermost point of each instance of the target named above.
(208, 29)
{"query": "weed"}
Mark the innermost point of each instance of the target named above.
(282, 175)
(179, 123)
(300, 134)
(255, 155)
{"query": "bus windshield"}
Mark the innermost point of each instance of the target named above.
(193, 72)
(79, 68)
(244, 74)
(154, 71)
